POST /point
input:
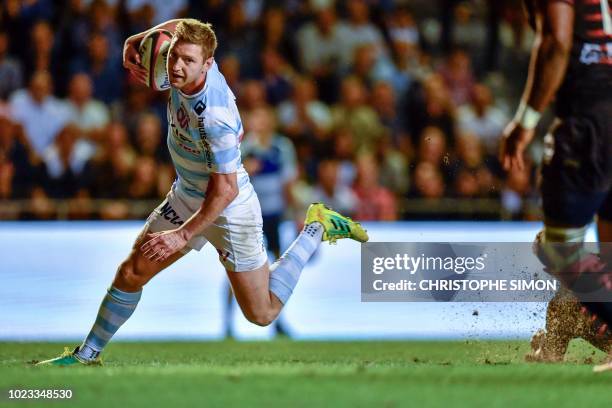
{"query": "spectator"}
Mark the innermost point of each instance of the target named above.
(428, 182)
(239, 39)
(276, 74)
(304, 116)
(270, 160)
(160, 10)
(393, 166)
(333, 194)
(434, 149)
(363, 64)
(132, 106)
(41, 52)
(40, 206)
(41, 114)
(486, 168)
(25, 169)
(353, 112)
(469, 32)
(375, 202)
(384, 103)
(276, 36)
(430, 104)
(7, 178)
(65, 161)
(102, 20)
(321, 44)
(10, 69)
(148, 140)
(344, 152)
(466, 184)
(108, 173)
(361, 31)
(89, 114)
(73, 30)
(458, 76)
(103, 67)
(144, 183)
(482, 118)
(230, 66)
(252, 96)
(407, 54)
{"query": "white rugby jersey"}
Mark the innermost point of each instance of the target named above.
(204, 134)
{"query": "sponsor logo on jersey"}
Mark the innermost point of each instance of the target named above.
(182, 117)
(189, 149)
(169, 214)
(178, 135)
(596, 53)
(203, 143)
(199, 107)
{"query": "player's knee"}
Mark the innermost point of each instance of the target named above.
(129, 274)
(260, 317)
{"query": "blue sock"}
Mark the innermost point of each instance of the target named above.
(285, 272)
(115, 309)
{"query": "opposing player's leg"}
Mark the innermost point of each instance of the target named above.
(604, 230)
(565, 321)
(262, 292)
(124, 294)
(571, 197)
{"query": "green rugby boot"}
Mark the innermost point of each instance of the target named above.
(68, 358)
(335, 225)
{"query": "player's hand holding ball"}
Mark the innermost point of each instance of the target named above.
(146, 57)
(132, 59)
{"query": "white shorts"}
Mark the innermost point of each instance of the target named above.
(237, 234)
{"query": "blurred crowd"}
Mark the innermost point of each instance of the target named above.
(383, 109)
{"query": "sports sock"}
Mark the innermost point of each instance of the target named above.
(285, 272)
(117, 306)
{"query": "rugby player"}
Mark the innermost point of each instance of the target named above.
(572, 63)
(212, 199)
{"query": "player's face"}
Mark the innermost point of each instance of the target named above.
(187, 66)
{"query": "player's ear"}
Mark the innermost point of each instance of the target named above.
(208, 63)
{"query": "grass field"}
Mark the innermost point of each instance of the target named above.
(286, 373)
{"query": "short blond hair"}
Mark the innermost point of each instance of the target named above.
(194, 31)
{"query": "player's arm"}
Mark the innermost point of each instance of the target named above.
(553, 20)
(222, 190)
(131, 56)
(551, 54)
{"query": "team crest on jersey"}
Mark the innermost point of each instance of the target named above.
(199, 107)
(182, 117)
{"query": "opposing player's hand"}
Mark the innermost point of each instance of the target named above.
(160, 245)
(514, 142)
(131, 59)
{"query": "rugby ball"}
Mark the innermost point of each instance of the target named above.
(154, 57)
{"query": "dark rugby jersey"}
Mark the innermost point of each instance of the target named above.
(588, 78)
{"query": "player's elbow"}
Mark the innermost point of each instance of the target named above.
(230, 192)
(224, 186)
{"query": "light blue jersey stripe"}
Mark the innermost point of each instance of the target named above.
(205, 134)
(227, 155)
(191, 175)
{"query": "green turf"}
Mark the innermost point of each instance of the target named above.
(287, 374)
